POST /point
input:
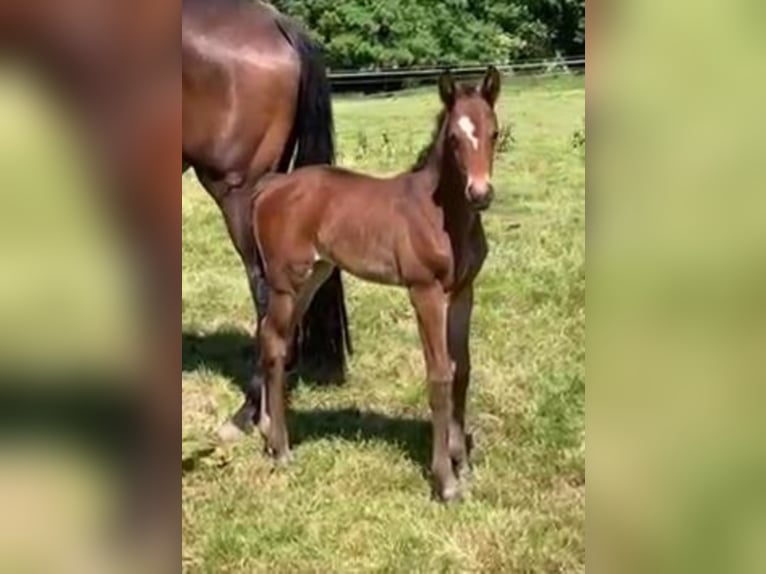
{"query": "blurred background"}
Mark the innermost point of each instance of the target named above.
(676, 284)
(70, 329)
(676, 275)
(76, 406)
(66, 291)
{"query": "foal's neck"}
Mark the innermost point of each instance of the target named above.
(446, 184)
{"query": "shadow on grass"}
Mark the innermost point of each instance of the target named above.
(353, 425)
(410, 435)
(228, 352)
(232, 354)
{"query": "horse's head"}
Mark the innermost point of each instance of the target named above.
(472, 132)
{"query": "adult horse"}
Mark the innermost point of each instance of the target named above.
(117, 66)
(256, 100)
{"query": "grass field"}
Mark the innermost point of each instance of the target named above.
(356, 497)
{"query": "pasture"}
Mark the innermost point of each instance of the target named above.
(356, 496)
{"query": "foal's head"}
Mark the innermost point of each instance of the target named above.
(471, 132)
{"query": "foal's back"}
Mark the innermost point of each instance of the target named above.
(376, 228)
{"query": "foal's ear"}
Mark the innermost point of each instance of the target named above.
(447, 89)
(490, 86)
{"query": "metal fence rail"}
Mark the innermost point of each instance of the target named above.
(392, 79)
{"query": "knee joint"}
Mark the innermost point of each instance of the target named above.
(441, 374)
(273, 346)
(440, 393)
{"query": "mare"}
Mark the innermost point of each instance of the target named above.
(420, 230)
(256, 99)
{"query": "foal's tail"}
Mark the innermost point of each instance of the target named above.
(324, 332)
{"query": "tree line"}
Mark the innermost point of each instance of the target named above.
(370, 34)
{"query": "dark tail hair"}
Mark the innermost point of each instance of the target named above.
(324, 337)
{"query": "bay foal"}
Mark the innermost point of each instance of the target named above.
(420, 230)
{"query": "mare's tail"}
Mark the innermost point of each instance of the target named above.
(324, 334)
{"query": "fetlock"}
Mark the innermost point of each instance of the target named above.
(446, 485)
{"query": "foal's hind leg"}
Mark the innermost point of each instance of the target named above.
(430, 303)
(320, 273)
(285, 311)
(275, 334)
(459, 324)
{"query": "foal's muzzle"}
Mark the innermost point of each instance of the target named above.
(480, 197)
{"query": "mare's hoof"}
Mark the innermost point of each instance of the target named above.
(282, 459)
(240, 425)
(231, 432)
(449, 492)
(462, 471)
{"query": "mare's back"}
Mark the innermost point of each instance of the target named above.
(237, 69)
(209, 27)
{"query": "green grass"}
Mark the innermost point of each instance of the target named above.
(356, 497)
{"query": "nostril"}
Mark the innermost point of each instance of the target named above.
(482, 192)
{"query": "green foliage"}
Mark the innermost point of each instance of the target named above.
(364, 34)
(506, 139)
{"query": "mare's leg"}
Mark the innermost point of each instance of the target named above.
(234, 201)
(233, 197)
(459, 323)
(430, 304)
(236, 208)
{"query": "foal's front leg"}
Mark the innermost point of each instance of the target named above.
(459, 325)
(430, 304)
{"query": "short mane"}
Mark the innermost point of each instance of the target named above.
(425, 153)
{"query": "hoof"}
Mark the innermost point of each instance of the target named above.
(280, 460)
(230, 432)
(449, 491)
(283, 460)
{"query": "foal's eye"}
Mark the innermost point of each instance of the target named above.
(495, 135)
(453, 140)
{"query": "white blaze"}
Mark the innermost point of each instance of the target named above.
(465, 124)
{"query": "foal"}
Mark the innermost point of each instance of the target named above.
(420, 230)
